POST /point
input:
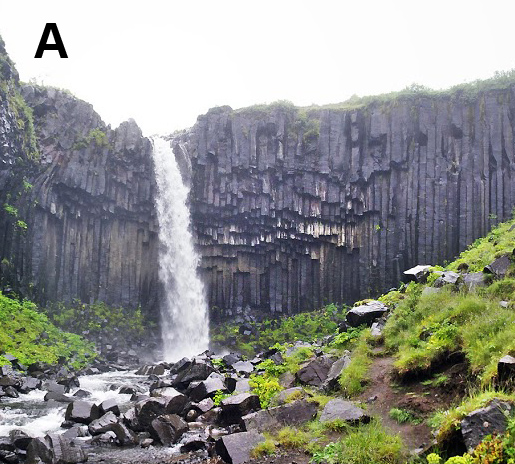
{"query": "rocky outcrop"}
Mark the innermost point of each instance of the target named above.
(83, 222)
(295, 208)
(291, 208)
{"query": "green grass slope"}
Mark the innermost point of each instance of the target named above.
(28, 335)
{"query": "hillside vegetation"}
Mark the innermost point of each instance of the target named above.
(28, 335)
(436, 333)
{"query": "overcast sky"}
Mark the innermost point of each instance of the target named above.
(164, 62)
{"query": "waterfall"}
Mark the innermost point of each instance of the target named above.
(184, 324)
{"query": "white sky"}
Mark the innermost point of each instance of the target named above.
(164, 62)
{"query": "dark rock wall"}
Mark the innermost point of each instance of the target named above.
(296, 209)
(90, 232)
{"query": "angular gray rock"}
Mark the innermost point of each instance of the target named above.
(499, 267)
(207, 388)
(168, 429)
(82, 412)
(236, 448)
(485, 421)
(55, 449)
(314, 372)
(448, 278)
(331, 381)
(102, 424)
(418, 273)
(343, 410)
(366, 314)
(291, 414)
(237, 406)
(506, 369)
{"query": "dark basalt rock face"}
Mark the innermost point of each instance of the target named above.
(291, 208)
(88, 203)
(296, 208)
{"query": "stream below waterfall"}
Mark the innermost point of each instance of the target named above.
(37, 417)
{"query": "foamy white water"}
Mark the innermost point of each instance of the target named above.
(185, 324)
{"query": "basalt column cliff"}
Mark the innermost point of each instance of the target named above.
(297, 208)
(76, 198)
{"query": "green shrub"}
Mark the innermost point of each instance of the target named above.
(354, 377)
(367, 443)
(289, 437)
(484, 250)
(503, 289)
(265, 387)
(219, 397)
(403, 416)
(265, 448)
(307, 327)
(28, 335)
(98, 318)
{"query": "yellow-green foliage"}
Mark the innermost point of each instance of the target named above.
(484, 250)
(264, 448)
(98, 318)
(289, 437)
(354, 376)
(422, 330)
(30, 336)
(451, 419)
(306, 327)
(365, 444)
(265, 387)
(96, 137)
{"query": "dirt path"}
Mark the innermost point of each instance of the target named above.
(388, 395)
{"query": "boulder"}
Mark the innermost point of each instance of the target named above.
(506, 369)
(53, 386)
(103, 424)
(343, 410)
(283, 396)
(498, 267)
(11, 392)
(130, 389)
(417, 274)
(196, 371)
(366, 313)
(124, 435)
(109, 405)
(8, 378)
(69, 383)
(474, 280)
(20, 439)
(431, 290)
(484, 421)
(242, 386)
(231, 359)
(235, 407)
(331, 381)
(148, 410)
(82, 412)
(59, 397)
(448, 278)
(168, 429)
(55, 449)
(292, 414)
(210, 417)
(205, 405)
(193, 443)
(82, 394)
(179, 366)
(243, 367)
(236, 448)
(207, 388)
(315, 371)
(28, 384)
(151, 370)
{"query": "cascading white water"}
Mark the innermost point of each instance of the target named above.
(185, 324)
